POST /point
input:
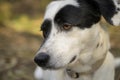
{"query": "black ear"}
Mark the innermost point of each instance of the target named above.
(110, 10)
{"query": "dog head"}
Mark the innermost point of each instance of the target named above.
(70, 27)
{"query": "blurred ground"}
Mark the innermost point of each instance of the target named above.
(16, 54)
(20, 38)
(115, 46)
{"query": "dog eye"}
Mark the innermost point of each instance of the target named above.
(67, 26)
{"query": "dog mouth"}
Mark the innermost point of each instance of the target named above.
(73, 59)
(53, 67)
(56, 65)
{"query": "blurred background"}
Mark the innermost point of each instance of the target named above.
(20, 37)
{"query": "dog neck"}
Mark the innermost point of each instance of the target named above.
(88, 66)
(74, 74)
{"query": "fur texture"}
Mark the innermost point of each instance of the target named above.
(81, 47)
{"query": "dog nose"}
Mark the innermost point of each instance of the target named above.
(42, 59)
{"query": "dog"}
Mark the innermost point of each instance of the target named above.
(76, 46)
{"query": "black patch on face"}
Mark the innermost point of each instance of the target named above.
(83, 16)
(46, 27)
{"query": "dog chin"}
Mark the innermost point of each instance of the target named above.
(53, 67)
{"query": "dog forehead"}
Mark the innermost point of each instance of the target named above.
(55, 6)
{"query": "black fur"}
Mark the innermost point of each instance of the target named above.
(46, 27)
(83, 16)
(107, 9)
(87, 14)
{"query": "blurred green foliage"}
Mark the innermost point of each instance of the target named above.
(5, 12)
(15, 9)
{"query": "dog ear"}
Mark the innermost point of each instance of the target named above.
(110, 10)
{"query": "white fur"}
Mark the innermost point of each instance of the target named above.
(55, 6)
(106, 71)
(116, 17)
(117, 62)
(38, 74)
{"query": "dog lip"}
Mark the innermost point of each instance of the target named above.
(73, 59)
(51, 68)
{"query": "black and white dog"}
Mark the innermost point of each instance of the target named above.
(76, 46)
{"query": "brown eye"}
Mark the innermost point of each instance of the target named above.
(67, 26)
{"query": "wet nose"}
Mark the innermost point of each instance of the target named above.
(41, 59)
